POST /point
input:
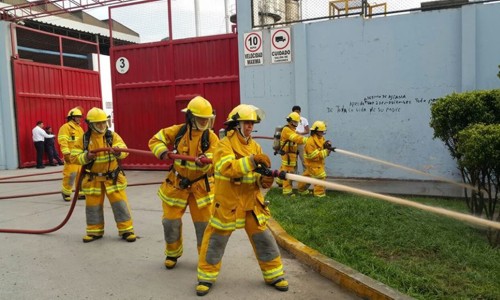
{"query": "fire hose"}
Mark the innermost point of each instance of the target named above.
(282, 175)
(28, 175)
(339, 187)
(68, 215)
(171, 155)
(29, 181)
(78, 185)
(352, 154)
(263, 137)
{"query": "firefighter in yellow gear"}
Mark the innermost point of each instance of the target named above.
(188, 183)
(239, 202)
(316, 151)
(103, 177)
(289, 142)
(69, 133)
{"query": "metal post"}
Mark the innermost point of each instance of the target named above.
(197, 17)
(170, 34)
(226, 16)
(252, 5)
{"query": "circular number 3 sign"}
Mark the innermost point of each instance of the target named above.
(122, 65)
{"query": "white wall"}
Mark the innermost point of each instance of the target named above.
(106, 88)
(372, 81)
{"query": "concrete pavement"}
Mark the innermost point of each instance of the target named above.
(59, 266)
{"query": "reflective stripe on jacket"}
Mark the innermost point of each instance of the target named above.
(237, 186)
(169, 191)
(68, 134)
(314, 156)
(288, 143)
(104, 163)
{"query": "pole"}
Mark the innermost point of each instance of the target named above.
(197, 18)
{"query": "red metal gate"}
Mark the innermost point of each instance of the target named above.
(47, 91)
(162, 77)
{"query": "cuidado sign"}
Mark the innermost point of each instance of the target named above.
(281, 45)
(253, 48)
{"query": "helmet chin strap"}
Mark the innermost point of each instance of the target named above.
(94, 128)
(198, 126)
(240, 130)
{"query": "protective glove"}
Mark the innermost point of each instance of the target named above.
(266, 181)
(327, 145)
(90, 155)
(116, 152)
(198, 160)
(67, 158)
(263, 171)
(164, 155)
(262, 159)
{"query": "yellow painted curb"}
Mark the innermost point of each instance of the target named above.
(342, 275)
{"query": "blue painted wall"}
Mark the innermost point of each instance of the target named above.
(372, 81)
(8, 138)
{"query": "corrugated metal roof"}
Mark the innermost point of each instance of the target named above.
(55, 20)
(84, 27)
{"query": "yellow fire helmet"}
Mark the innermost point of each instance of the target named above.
(75, 112)
(199, 107)
(245, 112)
(318, 126)
(96, 115)
(295, 117)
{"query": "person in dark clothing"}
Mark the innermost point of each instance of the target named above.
(39, 136)
(50, 149)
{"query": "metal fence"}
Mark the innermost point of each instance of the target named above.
(152, 21)
(281, 12)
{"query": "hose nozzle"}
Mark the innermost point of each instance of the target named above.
(271, 173)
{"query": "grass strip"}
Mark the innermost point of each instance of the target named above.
(423, 255)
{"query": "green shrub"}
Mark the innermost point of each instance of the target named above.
(479, 149)
(468, 123)
(491, 100)
(454, 112)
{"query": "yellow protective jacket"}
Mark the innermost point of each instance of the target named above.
(169, 191)
(105, 164)
(68, 134)
(289, 145)
(314, 156)
(237, 186)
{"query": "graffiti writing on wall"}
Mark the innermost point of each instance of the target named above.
(380, 104)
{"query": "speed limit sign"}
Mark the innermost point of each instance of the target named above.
(253, 48)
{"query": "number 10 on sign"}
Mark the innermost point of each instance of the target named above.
(253, 48)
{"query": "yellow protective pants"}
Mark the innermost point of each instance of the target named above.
(287, 184)
(314, 172)
(95, 213)
(264, 246)
(71, 172)
(172, 225)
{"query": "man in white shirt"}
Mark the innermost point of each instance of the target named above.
(302, 129)
(39, 136)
